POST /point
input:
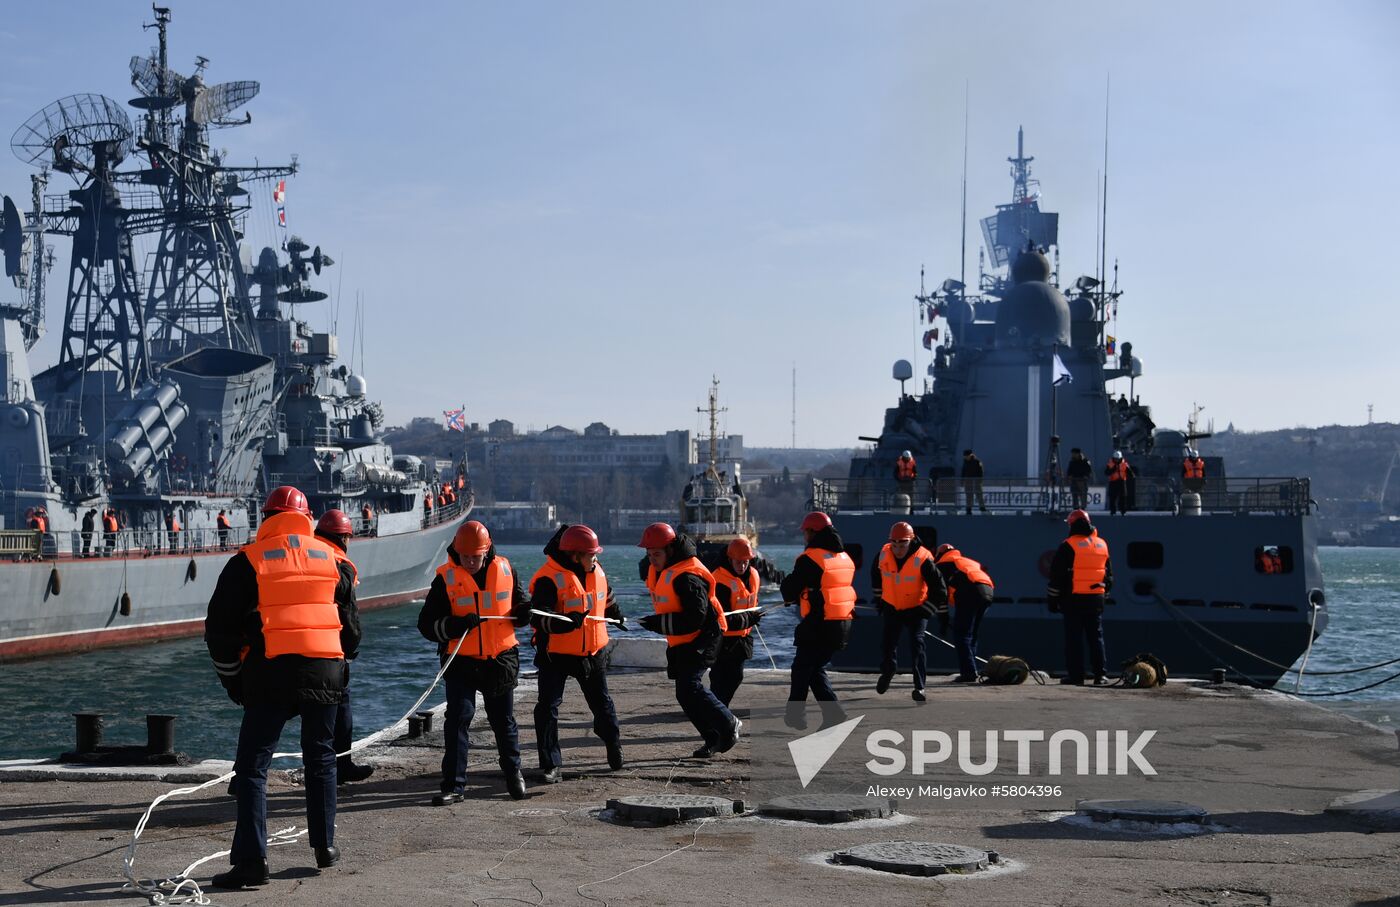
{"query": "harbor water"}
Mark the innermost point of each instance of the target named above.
(38, 698)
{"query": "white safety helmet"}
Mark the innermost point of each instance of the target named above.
(906, 454)
(1118, 455)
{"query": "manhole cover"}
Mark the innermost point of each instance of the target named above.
(919, 858)
(667, 809)
(828, 808)
(1162, 812)
(536, 813)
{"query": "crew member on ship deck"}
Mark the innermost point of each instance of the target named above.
(1081, 574)
(907, 587)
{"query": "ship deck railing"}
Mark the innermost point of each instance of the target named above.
(74, 543)
(724, 527)
(1243, 495)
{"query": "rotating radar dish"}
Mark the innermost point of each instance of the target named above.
(146, 74)
(66, 133)
(213, 103)
(301, 294)
(153, 102)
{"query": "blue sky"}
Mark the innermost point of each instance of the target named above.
(568, 212)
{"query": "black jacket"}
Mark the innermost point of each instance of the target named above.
(233, 622)
(1062, 579)
(492, 676)
(696, 614)
(972, 468)
(1080, 468)
(545, 597)
(937, 589)
(806, 575)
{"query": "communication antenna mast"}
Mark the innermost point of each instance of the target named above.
(714, 409)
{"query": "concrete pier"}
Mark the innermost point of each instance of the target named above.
(62, 839)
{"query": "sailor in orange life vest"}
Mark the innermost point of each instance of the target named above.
(477, 593)
(906, 470)
(1117, 470)
(969, 595)
(334, 527)
(821, 583)
(572, 584)
(281, 621)
(736, 587)
(689, 615)
(1193, 471)
(908, 587)
(1080, 575)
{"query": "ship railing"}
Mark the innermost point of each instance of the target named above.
(1273, 495)
(75, 543)
(448, 512)
(723, 527)
(20, 543)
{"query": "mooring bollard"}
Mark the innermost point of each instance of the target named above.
(1217, 676)
(160, 735)
(89, 731)
(427, 721)
(415, 726)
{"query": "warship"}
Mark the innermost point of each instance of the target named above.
(186, 386)
(1208, 575)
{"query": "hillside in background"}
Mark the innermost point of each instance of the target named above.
(1346, 463)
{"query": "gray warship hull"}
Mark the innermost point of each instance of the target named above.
(169, 593)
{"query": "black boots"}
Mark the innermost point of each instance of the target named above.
(552, 775)
(326, 857)
(614, 755)
(883, 684)
(348, 772)
(515, 784)
(242, 875)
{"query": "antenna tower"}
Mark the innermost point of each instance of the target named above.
(714, 409)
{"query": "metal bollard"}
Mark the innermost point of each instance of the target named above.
(427, 721)
(89, 731)
(1217, 676)
(160, 735)
(415, 726)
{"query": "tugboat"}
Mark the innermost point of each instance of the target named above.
(714, 509)
(1219, 573)
(183, 392)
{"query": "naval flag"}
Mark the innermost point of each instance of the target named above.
(279, 195)
(1062, 375)
(456, 419)
(281, 216)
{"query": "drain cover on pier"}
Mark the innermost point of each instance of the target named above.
(668, 809)
(918, 858)
(538, 812)
(1160, 812)
(828, 808)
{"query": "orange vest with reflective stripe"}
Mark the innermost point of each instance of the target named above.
(297, 576)
(1118, 470)
(966, 566)
(493, 636)
(665, 601)
(903, 586)
(223, 522)
(905, 468)
(838, 584)
(743, 593)
(342, 558)
(591, 599)
(1090, 555)
(1193, 468)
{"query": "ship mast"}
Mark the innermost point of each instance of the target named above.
(714, 409)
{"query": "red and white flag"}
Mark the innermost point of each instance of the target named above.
(279, 195)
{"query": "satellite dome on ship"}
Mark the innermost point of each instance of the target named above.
(1033, 313)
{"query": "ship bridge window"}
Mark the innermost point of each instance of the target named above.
(692, 514)
(726, 513)
(1273, 559)
(1145, 555)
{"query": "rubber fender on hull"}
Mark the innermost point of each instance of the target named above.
(191, 572)
(55, 584)
(126, 604)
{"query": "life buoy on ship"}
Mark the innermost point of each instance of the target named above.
(126, 604)
(55, 584)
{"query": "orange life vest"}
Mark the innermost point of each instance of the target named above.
(367, 512)
(967, 567)
(297, 576)
(1118, 470)
(591, 598)
(342, 558)
(905, 468)
(428, 502)
(1090, 556)
(109, 522)
(837, 586)
(491, 637)
(743, 593)
(664, 599)
(1193, 468)
(223, 522)
(903, 586)
(43, 522)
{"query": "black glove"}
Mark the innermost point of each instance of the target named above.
(651, 622)
(621, 621)
(576, 619)
(1054, 604)
(754, 618)
(457, 626)
(233, 686)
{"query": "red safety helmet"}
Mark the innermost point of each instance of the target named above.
(657, 535)
(286, 499)
(471, 538)
(901, 532)
(1076, 516)
(739, 550)
(579, 540)
(943, 549)
(334, 522)
(816, 520)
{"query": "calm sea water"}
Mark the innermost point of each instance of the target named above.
(37, 698)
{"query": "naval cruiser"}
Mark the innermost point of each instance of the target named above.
(1219, 574)
(186, 385)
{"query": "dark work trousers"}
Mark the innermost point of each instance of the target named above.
(1079, 494)
(1117, 497)
(711, 717)
(726, 675)
(257, 738)
(461, 708)
(809, 672)
(967, 619)
(1083, 622)
(344, 727)
(550, 682)
(914, 621)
